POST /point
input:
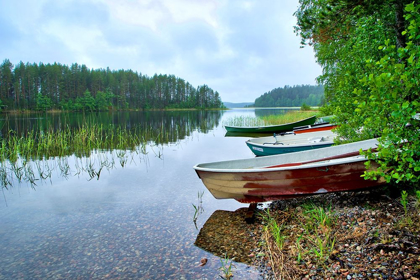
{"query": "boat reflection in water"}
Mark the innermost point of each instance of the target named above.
(226, 234)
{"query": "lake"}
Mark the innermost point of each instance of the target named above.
(135, 220)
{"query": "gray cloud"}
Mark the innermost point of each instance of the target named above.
(240, 49)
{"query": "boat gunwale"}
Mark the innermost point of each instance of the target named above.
(302, 129)
(321, 163)
(288, 146)
(262, 163)
(272, 145)
(323, 124)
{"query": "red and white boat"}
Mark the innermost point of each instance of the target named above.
(332, 169)
(314, 128)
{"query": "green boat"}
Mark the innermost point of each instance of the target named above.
(271, 128)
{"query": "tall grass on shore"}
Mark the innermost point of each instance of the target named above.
(289, 117)
(315, 239)
(322, 231)
(34, 156)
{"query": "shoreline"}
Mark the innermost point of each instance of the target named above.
(371, 237)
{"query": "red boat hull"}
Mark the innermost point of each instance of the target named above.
(315, 129)
(272, 185)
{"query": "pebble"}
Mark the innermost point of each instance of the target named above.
(358, 232)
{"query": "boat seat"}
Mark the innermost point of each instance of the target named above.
(316, 139)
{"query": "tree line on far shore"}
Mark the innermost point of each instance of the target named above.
(55, 86)
(292, 96)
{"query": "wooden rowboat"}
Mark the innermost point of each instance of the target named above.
(271, 128)
(332, 169)
(290, 143)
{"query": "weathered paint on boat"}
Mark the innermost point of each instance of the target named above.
(325, 170)
(291, 143)
(271, 128)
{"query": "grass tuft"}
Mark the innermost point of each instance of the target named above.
(288, 117)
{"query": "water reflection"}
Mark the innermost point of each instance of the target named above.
(198, 208)
(38, 171)
(166, 126)
(95, 141)
(226, 233)
(134, 222)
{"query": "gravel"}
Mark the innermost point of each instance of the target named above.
(372, 237)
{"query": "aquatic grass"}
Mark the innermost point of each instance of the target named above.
(42, 145)
(4, 178)
(245, 121)
(81, 141)
(288, 117)
(198, 209)
(64, 166)
(18, 171)
(226, 267)
(44, 170)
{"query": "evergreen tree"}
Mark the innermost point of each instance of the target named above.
(291, 96)
(78, 88)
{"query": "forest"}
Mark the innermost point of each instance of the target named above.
(369, 52)
(42, 87)
(292, 96)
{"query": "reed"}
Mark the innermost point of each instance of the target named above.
(198, 209)
(25, 158)
(80, 141)
(245, 121)
(226, 268)
(288, 117)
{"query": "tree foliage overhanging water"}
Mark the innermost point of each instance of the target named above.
(370, 54)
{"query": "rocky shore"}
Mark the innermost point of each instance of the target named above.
(358, 235)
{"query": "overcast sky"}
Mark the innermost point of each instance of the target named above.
(241, 49)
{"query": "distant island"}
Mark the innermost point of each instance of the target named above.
(292, 96)
(237, 105)
(288, 96)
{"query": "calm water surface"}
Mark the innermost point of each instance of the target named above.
(136, 221)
